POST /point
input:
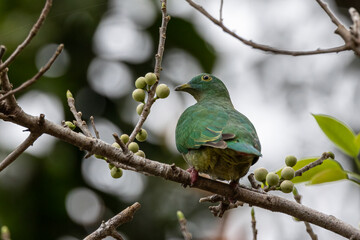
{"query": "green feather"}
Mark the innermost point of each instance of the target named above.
(212, 135)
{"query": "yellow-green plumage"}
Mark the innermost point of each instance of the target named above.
(212, 135)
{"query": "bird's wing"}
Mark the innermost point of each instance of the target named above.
(246, 139)
(200, 126)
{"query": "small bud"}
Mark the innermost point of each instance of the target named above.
(141, 135)
(272, 179)
(331, 155)
(133, 147)
(287, 186)
(140, 154)
(140, 83)
(140, 108)
(150, 78)
(124, 138)
(290, 161)
(162, 91)
(99, 156)
(252, 212)
(115, 144)
(180, 215)
(69, 94)
(70, 125)
(260, 174)
(138, 95)
(288, 173)
(111, 166)
(116, 172)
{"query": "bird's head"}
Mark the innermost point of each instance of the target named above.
(205, 87)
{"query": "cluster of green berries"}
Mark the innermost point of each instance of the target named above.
(272, 179)
(143, 85)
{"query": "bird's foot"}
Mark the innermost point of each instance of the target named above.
(194, 174)
(234, 184)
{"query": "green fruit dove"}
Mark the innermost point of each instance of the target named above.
(213, 137)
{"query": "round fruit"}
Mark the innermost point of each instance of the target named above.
(140, 153)
(272, 179)
(162, 91)
(111, 166)
(138, 95)
(133, 147)
(142, 135)
(140, 83)
(150, 78)
(116, 172)
(287, 186)
(124, 138)
(115, 144)
(140, 108)
(288, 173)
(260, 174)
(290, 161)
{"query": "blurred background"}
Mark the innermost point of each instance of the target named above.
(52, 192)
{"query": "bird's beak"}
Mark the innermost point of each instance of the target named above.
(182, 87)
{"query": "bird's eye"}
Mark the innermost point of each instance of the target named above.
(206, 78)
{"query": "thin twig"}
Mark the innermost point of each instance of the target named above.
(182, 221)
(221, 10)
(263, 47)
(19, 150)
(34, 30)
(331, 15)
(37, 75)
(122, 145)
(6, 86)
(94, 127)
(157, 69)
(309, 229)
(319, 161)
(253, 224)
(108, 228)
(2, 51)
(77, 115)
(253, 182)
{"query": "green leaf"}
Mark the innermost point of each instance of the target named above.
(357, 140)
(339, 133)
(310, 174)
(328, 175)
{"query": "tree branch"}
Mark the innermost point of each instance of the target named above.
(109, 228)
(158, 59)
(263, 47)
(37, 75)
(319, 161)
(34, 30)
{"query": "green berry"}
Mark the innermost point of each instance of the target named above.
(140, 154)
(288, 173)
(70, 125)
(290, 161)
(142, 135)
(133, 147)
(150, 78)
(140, 83)
(162, 91)
(69, 94)
(140, 108)
(272, 179)
(124, 138)
(111, 166)
(331, 155)
(287, 186)
(115, 144)
(138, 95)
(116, 172)
(260, 174)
